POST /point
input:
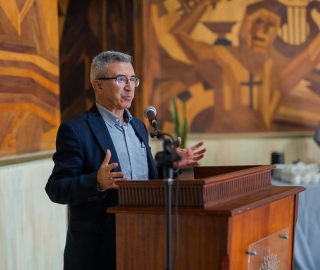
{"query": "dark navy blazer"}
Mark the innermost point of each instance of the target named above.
(80, 149)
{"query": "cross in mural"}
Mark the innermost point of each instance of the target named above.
(251, 83)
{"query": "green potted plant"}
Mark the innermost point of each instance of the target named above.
(180, 123)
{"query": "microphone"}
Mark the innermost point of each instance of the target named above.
(150, 113)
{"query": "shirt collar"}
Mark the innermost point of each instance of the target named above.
(112, 119)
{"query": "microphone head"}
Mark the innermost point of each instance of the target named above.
(150, 112)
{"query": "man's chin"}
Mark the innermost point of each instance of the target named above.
(126, 105)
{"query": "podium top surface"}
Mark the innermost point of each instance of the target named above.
(228, 208)
(211, 185)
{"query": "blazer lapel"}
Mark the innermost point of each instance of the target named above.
(100, 131)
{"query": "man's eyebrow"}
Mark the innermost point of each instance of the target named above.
(125, 75)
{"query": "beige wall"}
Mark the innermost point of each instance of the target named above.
(32, 228)
(252, 149)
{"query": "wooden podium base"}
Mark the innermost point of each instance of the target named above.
(221, 236)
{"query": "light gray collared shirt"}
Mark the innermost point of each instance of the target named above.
(131, 152)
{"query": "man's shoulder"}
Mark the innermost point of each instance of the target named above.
(92, 112)
(79, 120)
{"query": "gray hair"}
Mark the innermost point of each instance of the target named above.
(102, 60)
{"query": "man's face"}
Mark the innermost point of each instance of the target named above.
(116, 97)
(263, 26)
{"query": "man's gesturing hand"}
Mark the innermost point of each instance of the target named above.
(106, 178)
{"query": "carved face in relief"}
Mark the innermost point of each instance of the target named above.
(260, 30)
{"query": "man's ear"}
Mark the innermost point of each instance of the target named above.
(96, 86)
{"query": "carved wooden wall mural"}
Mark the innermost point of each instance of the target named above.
(241, 66)
(29, 76)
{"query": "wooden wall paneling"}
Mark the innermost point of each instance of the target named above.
(87, 28)
(139, 100)
(29, 76)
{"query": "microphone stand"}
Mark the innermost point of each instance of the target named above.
(165, 160)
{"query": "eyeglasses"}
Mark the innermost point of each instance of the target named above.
(122, 80)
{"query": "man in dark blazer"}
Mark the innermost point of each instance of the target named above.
(95, 150)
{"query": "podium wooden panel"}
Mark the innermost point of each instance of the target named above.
(215, 235)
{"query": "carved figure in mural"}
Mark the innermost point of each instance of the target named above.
(253, 86)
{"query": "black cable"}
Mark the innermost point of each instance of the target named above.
(176, 206)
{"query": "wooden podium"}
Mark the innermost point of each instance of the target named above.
(228, 217)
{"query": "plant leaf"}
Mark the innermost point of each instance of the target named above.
(175, 116)
(185, 127)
